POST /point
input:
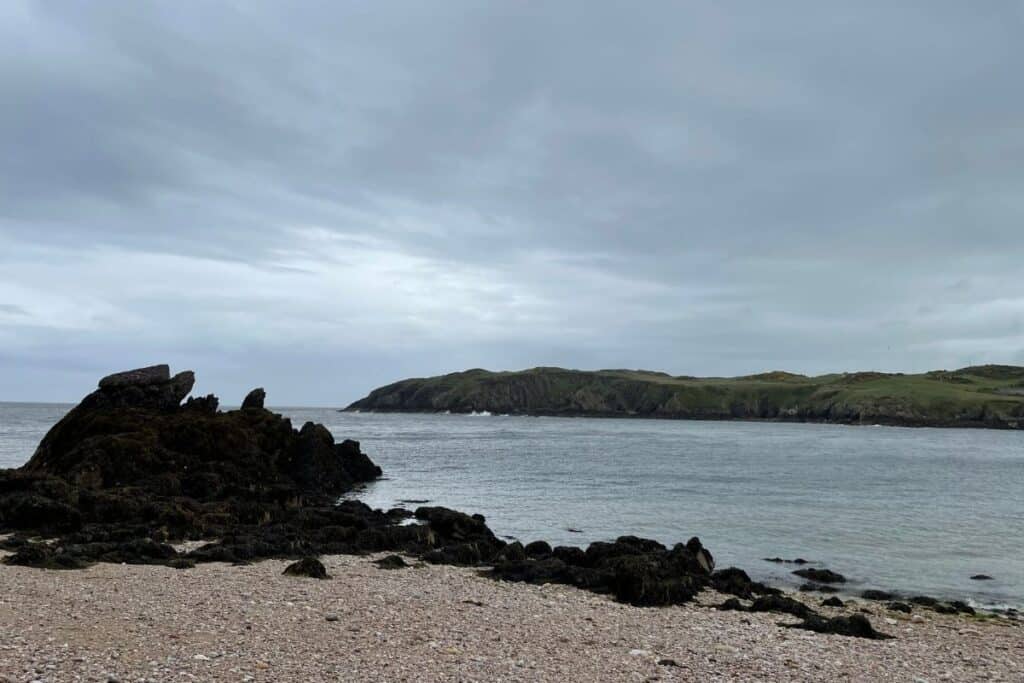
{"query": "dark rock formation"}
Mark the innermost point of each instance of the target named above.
(856, 625)
(900, 607)
(307, 566)
(734, 581)
(923, 600)
(779, 560)
(732, 605)
(881, 596)
(981, 577)
(820, 575)
(634, 570)
(131, 465)
(254, 399)
(832, 602)
(781, 604)
(392, 562)
(537, 549)
(962, 607)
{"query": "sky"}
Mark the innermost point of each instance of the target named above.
(323, 197)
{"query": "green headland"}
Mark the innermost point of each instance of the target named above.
(978, 396)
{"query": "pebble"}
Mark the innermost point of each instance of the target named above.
(416, 626)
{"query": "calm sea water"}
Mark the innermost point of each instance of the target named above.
(916, 510)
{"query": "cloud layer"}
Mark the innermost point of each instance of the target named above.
(324, 197)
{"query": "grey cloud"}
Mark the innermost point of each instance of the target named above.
(265, 189)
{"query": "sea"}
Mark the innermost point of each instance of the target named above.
(915, 511)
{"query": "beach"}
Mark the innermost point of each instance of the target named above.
(218, 622)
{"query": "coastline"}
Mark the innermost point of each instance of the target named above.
(435, 622)
(138, 598)
(880, 422)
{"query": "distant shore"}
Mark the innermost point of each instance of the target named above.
(989, 396)
(713, 418)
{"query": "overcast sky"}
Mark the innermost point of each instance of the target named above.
(321, 198)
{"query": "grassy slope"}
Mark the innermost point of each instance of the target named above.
(977, 396)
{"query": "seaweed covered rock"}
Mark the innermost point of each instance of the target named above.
(820, 575)
(309, 567)
(634, 570)
(855, 625)
(392, 562)
(735, 581)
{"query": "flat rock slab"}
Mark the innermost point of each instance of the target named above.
(154, 374)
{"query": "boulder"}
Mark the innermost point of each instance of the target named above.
(881, 596)
(820, 575)
(832, 602)
(392, 562)
(537, 549)
(309, 567)
(781, 603)
(855, 625)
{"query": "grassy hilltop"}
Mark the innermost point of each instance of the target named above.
(978, 396)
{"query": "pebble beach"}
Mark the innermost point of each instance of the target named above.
(218, 622)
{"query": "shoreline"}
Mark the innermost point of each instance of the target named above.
(684, 418)
(438, 622)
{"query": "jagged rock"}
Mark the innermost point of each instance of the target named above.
(307, 566)
(981, 577)
(820, 575)
(254, 399)
(733, 581)
(704, 557)
(130, 461)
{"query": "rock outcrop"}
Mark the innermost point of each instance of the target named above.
(254, 399)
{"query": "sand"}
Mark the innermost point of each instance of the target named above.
(433, 623)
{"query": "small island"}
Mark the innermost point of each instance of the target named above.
(990, 396)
